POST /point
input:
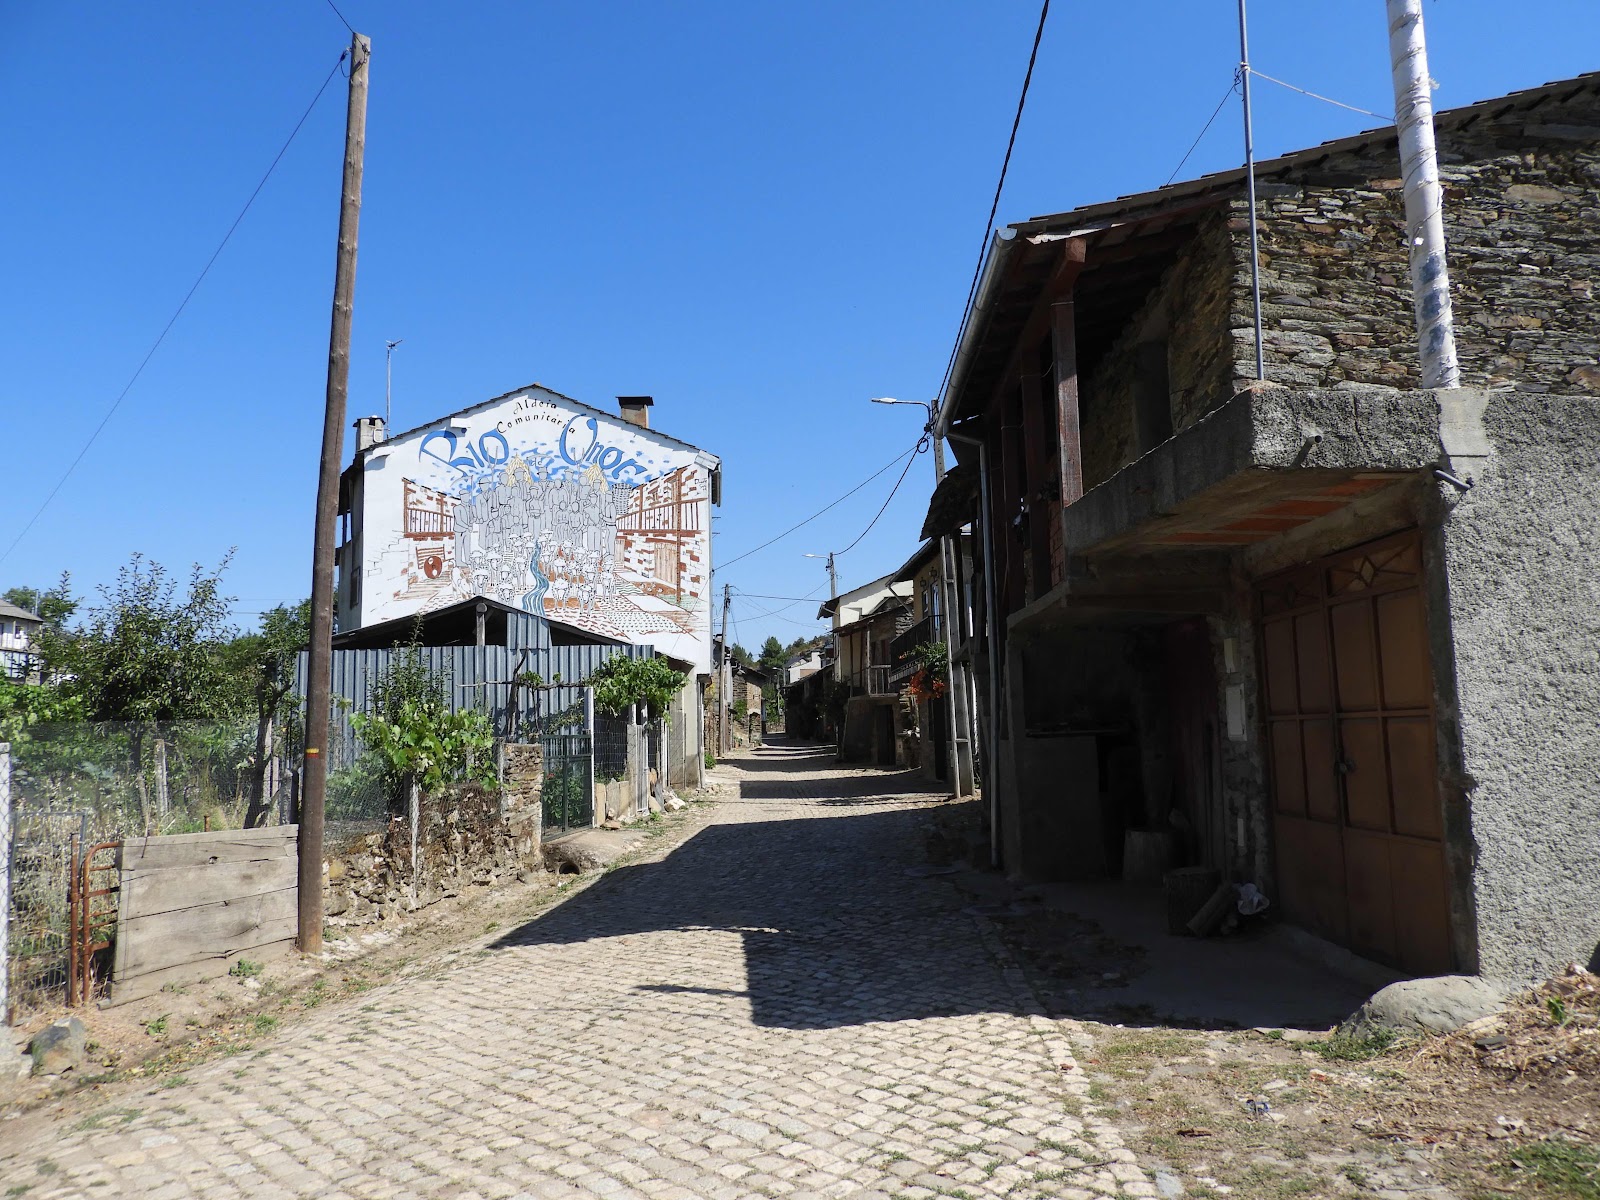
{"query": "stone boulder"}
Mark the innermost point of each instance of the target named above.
(1441, 1004)
(592, 850)
(60, 1047)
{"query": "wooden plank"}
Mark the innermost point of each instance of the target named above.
(205, 931)
(197, 849)
(147, 893)
(124, 991)
(1063, 330)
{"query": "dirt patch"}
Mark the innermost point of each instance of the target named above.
(1269, 1113)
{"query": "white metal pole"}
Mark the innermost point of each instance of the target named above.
(1419, 167)
(1250, 187)
(588, 724)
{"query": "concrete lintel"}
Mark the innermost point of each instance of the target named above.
(1267, 440)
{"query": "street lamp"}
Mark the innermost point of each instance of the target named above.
(833, 576)
(938, 442)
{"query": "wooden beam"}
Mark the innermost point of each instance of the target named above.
(1063, 331)
(1062, 279)
(1041, 512)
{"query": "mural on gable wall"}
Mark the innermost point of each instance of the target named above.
(583, 518)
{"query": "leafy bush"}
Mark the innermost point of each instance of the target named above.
(413, 733)
(620, 683)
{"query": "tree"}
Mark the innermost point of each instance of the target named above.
(263, 663)
(409, 726)
(773, 656)
(741, 656)
(146, 655)
(772, 661)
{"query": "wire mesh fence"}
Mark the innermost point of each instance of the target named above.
(42, 852)
(147, 777)
(610, 748)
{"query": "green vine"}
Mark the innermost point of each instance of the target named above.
(620, 683)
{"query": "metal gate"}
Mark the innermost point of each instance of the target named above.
(568, 782)
(43, 862)
(1358, 814)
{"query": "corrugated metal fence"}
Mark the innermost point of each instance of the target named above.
(479, 677)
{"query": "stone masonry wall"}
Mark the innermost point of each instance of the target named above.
(469, 836)
(1194, 293)
(1522, 225)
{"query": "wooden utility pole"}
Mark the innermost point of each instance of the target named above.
(319, 682)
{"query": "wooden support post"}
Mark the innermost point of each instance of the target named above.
(319, 674)
(1063, 332)
(1041, 512)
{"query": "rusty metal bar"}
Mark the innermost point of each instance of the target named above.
(85, 917)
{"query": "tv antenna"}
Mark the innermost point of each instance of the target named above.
(388, 383)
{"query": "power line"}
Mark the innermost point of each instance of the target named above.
(994, 207)
(1232, 89)
(340, 15)
(915, 450)
(886, 466)
(183, 304)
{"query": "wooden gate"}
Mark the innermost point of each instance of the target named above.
(1357, 807)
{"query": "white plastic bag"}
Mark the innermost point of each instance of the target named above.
(1251, 901)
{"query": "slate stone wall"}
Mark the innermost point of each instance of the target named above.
(469, 836)
(1522, 227)
(1192, 302)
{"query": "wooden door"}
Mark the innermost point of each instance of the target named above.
(1357, 809)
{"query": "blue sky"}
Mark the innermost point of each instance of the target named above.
(761, 214)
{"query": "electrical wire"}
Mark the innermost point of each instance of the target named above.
(771, 541)
(1366, 112)
(915, 450)
(1233, 89)
(340, 15)
(183, 304)
(994, 207)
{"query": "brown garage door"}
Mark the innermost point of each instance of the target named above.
(1356, 804)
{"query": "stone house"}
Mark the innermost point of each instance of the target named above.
(865, 622)
(928, 745)
(1333, 633)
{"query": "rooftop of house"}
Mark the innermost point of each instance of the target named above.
(548, 394)
(857, 603)
(456, 625)
(1128, 243)
(12, 612)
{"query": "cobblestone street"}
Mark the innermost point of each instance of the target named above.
(774, 1008)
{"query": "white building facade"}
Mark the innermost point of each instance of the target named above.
(540, 502)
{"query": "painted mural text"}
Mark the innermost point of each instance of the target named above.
(474, 458)
(585, 447)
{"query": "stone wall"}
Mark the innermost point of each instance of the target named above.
(1189, 310)
(468, 836)
(1522, 226)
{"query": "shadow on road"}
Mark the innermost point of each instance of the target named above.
(839, 928)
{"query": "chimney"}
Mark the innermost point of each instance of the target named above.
(636, 409)
(369, 432)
